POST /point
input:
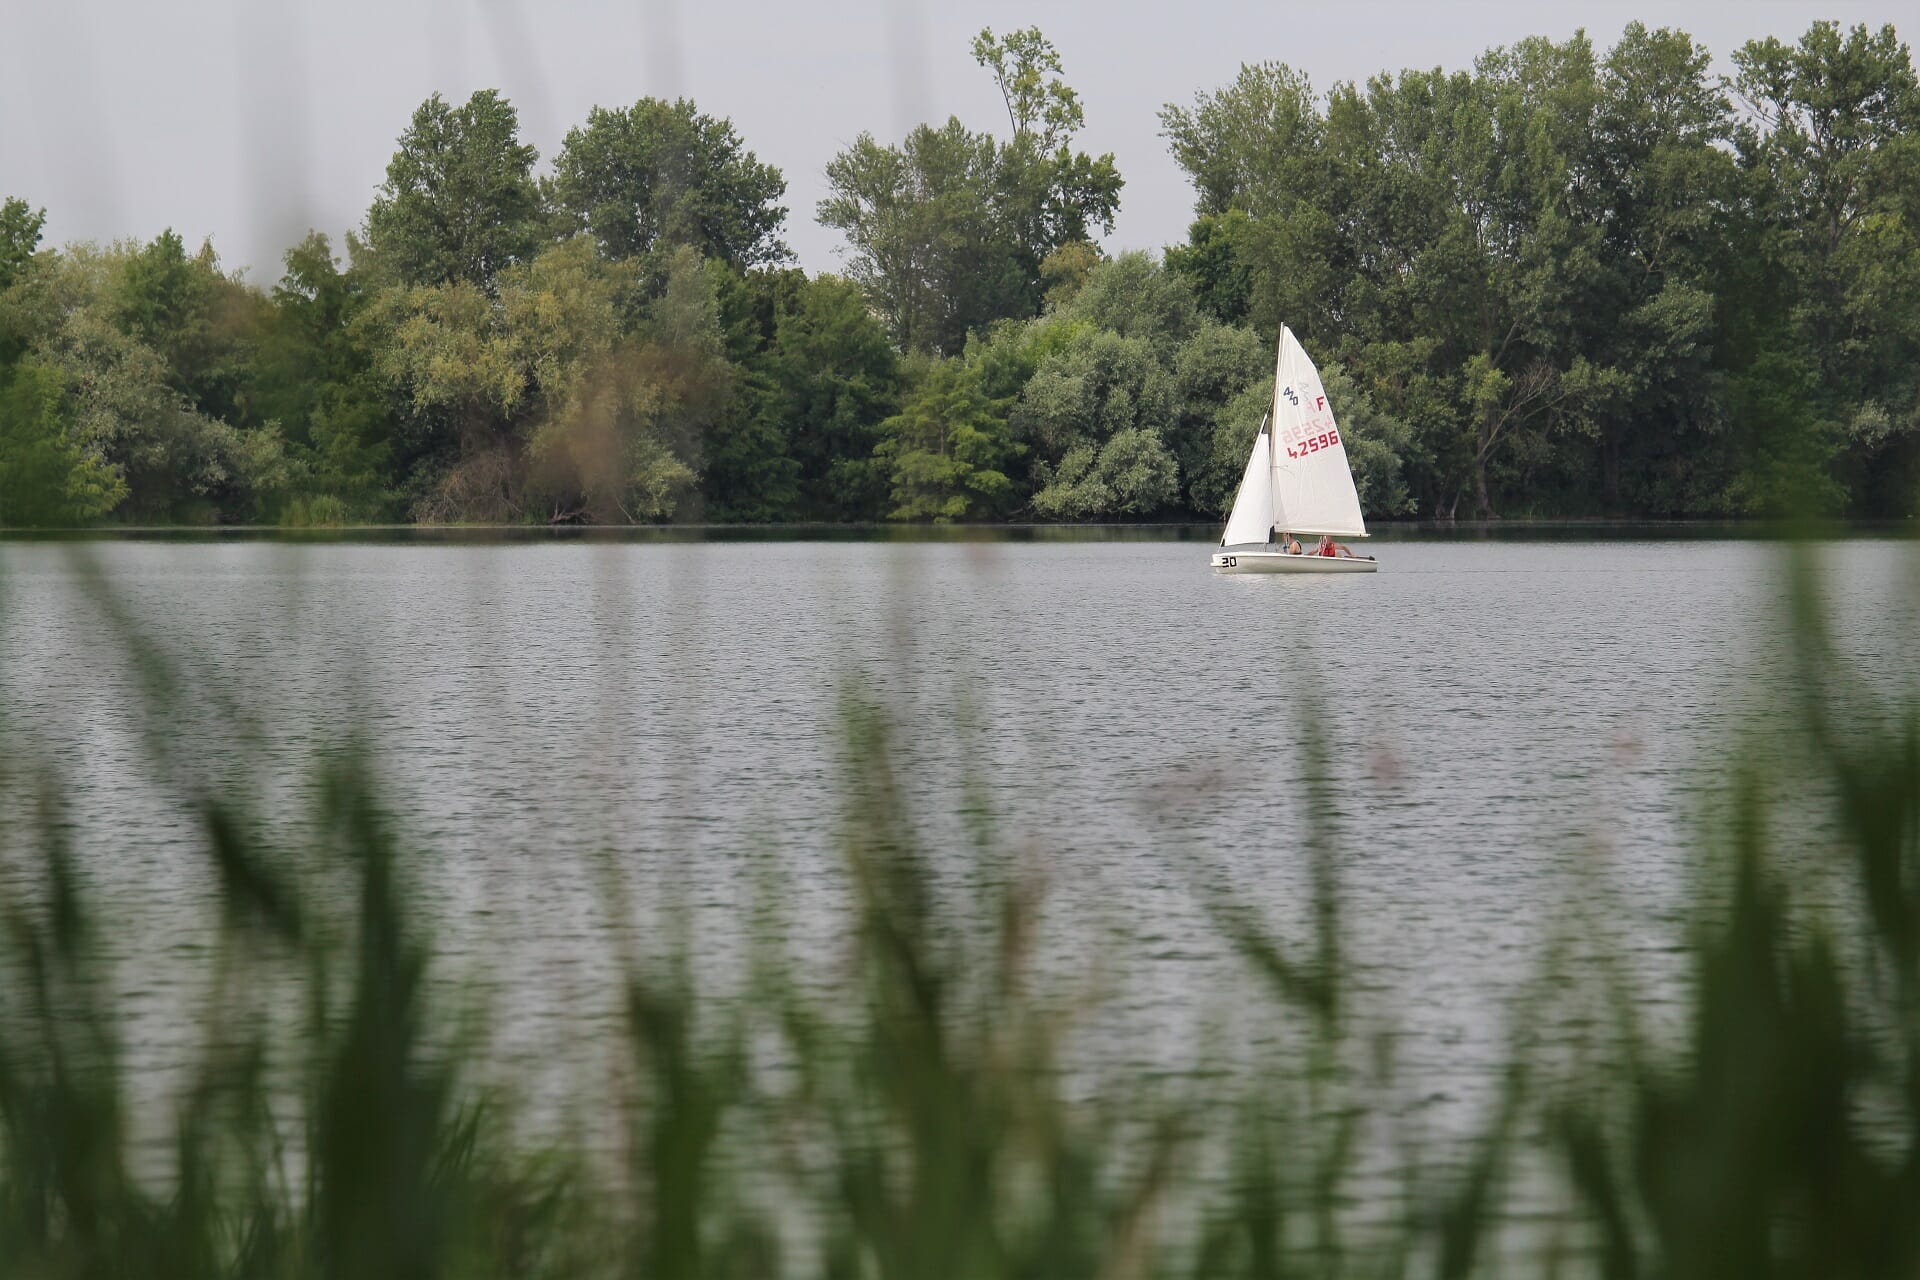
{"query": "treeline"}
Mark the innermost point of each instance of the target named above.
(1563, 282)
(1588, 283)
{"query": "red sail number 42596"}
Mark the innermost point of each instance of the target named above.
(1314, 444)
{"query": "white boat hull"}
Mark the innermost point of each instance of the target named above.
(1274, 560)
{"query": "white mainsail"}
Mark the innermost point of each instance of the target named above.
(1312, 485)
(1252, 517)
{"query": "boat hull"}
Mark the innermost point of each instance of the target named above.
(1274, 560)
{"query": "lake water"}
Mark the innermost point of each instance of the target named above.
(1515, 729)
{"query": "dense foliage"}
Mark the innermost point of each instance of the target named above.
(1564, 281)
(1587, 281)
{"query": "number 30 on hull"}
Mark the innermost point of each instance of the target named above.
(1274, 560)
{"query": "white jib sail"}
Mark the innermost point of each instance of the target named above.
(1252, 517)
(1312, 483)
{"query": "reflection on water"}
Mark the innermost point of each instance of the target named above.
(1515, 732)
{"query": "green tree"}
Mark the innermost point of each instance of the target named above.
(1376, 444)
(1136, 297)
(927, 239)
(1215, 263)
(1066, 269)
(1835, 118)
(1787, 450)
(947, 449)
(1209, 370)
(131, 406)
(1665, 182)
(1098, 383)
(1832, 152)
(1129, 474)
(47, 477)
(949, 230)
(313, 374)
(690, 387)
(581, 391)
(20, 228)
(1050, 195)
(1265, 173)
(1117, 390)
(817, 378)
(1253, 145)
(199, 321)
(1026, 69)
(750, 474)
(459, 203)
(462, 396)
(1458, 239)
(837, 380)
(661, 174)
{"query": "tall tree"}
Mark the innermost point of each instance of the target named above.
(661, 174)
(200, 321)
(20, 227)
(949, 230)
(1026, 68)
(572, 394)
(314, 375)
(947, 450)
(1664, 186)
(1118, 408)
(838, 379)
(1251, 146)
(47, 476)
(1833, 150)
(929, 244)
(85, 311)
(818, 378)
(1052, 196)
(1258, 155)
(459, 203)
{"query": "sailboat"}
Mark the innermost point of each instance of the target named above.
(1297, 480)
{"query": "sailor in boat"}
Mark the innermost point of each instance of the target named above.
(1328, 547)
(1289, 544)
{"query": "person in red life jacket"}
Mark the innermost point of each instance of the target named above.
(1328, 547)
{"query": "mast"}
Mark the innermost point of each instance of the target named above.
(1272, 420)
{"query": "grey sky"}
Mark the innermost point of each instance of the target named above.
(251, 120)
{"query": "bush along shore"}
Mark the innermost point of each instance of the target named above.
(1567, 281)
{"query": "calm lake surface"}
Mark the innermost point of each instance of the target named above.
(1517, 729)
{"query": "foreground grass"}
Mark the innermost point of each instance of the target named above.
(914, 1125)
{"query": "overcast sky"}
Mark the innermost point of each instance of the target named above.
(253, 120)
